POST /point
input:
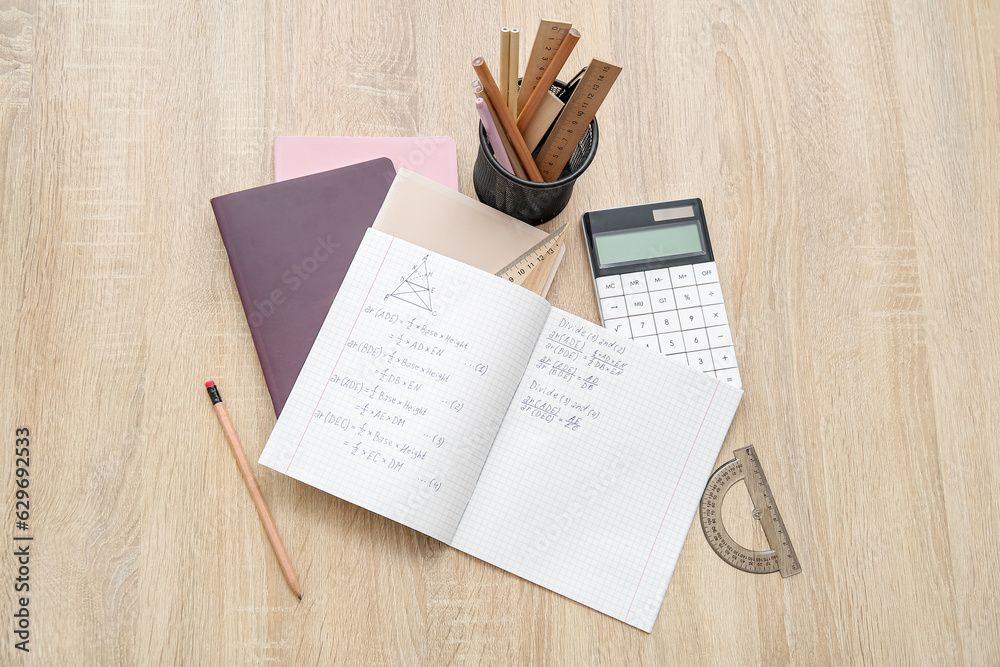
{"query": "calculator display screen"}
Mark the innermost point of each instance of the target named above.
(645, 243)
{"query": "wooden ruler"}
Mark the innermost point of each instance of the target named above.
(575, 117)
(781, 556)
(532, 269)
(548, 39)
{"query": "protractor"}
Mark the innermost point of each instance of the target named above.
(746, 468)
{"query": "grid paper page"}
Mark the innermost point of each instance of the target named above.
(400, 399)
(597, 470)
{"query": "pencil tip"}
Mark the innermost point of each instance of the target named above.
(300, 597)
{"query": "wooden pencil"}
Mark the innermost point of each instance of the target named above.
(504, 61)
(512, 67)
(251, 482)
(548, 77)
(507, 122)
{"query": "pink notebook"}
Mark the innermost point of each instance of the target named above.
(433, 157)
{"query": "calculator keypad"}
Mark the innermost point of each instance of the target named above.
(677, 311)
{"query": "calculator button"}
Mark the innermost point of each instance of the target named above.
(691, 318)
(701, 361)
(648, 341)
(642, 325)
(730, 375)
(687, 296)
(710, 293)
(609, 286)
(724, 357)
(638, 304)
(634, 282)
(720, 336)
(662, 300)
(682, 276)
(658, 279)
(681, 358)
(715, 315)
(667, 322)
(613, 307)
(705, 273)
(619, 326)
(695, 340)
(671, 343)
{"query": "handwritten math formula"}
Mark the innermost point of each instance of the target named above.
(399, 378)
(570, 363)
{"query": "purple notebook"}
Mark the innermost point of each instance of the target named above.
(290, 245)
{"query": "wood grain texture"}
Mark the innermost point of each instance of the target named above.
(846, 153)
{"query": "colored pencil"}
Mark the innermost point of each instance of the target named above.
(508, 149)
(507, 122)
(493, 134)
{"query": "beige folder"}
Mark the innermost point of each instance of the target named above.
(435, 217)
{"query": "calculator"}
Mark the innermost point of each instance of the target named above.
(657, 283)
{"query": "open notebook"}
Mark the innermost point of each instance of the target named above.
(469, 409)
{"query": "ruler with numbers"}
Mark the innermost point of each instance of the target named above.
(532, 269)
(575, 118)
(547, 41)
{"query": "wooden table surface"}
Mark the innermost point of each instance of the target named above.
(847, 155)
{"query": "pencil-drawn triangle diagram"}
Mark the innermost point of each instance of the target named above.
(416, 288)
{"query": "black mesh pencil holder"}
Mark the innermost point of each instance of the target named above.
(526, 200)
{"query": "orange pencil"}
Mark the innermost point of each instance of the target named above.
(258, 498)
(506, 119)
(548, 77)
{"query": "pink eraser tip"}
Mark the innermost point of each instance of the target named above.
(209, 384)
